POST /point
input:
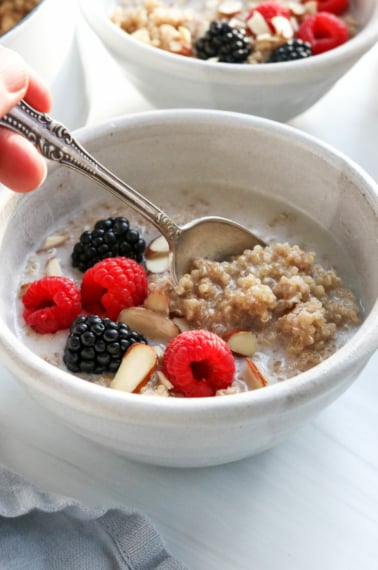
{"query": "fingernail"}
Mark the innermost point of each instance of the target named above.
(44, 175)
(13, 73)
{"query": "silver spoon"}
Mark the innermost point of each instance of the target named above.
(212, 237)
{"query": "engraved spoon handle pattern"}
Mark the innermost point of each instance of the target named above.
(56, 143)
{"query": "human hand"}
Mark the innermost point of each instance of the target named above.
(22, 168)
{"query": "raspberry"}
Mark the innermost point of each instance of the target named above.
(111, 285)
(96, 345)
(198, 363)
(111, 237)
(334, 6)
(51, 304)
(323, 31)
(270, 10)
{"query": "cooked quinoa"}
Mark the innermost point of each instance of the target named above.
(278, 291)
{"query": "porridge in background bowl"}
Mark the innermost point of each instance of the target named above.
(279, 310)
(233, 31)
(13, 11)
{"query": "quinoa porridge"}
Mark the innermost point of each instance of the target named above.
(293, 304)
(13, 11)
(289, 302)
(238, 31)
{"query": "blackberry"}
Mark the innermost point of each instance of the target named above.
(229, 45)
(96, 345)
(111, 237)
(291, 50)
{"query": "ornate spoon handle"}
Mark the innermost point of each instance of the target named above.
(56, 143)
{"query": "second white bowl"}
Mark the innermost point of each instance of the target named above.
(277, 91)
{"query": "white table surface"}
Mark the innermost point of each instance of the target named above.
(311, 502)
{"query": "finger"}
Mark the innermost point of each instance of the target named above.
(37, 93)
(17, 81)
(22, 168)
(14, 79)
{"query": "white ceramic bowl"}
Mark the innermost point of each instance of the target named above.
(277, 91)
(173, 150)
(46, 38)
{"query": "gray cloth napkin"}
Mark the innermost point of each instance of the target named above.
(43, 531)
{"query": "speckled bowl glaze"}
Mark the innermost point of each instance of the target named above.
(277, 91)
(169, 147)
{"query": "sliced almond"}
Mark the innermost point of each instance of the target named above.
(282, 27)
(294, 25)
(157, 264)
(243, 343)
(185, 36)
(54, 241)
(164, 380)
(136, 368)
(181, 49)
(157, 246)
(53, 268)
(296, 8)
(258, 25)
(230, 8)
(142, 35)
(254, 378)
(152, 325)
(157, 301)
(176, 47)
(311, 7)
(23, 289)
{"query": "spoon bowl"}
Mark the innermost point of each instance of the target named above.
(213, 238)
(210, 237)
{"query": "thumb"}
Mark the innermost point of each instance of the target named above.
(14, 79)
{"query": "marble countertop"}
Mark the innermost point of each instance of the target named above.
(310, 503)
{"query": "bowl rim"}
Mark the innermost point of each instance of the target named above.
(96, 16)
(102, 401)
(23, 20)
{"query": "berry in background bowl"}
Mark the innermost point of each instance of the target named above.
(195, 383)
(274, 60)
